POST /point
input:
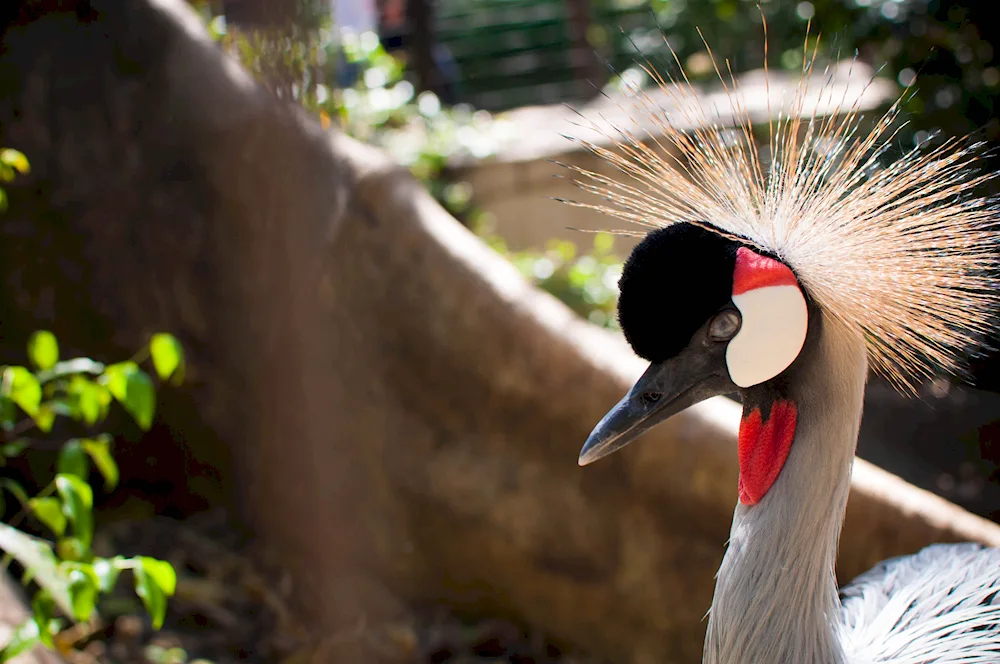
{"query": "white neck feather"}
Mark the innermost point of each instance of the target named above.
(776, 593)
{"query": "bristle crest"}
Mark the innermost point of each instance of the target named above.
(899, 250)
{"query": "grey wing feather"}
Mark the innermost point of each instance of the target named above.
(939, 606)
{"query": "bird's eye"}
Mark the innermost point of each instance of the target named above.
(724, 326)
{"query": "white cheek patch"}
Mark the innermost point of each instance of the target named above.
(775, 320)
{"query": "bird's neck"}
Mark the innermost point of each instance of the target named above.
(776, 593)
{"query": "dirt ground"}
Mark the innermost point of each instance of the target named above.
(230, 607)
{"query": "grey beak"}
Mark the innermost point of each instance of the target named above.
(664, 389)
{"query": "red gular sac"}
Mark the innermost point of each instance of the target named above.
(763, 449)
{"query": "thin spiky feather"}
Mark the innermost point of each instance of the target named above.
(899, 250)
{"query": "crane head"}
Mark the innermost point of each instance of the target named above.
(711, 314)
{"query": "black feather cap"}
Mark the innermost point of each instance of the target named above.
(671, 284)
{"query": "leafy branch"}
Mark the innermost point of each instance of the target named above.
(69, 578)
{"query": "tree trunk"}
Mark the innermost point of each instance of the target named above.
(383, 397)
(260, 14)
(589, 72)
(419, 44)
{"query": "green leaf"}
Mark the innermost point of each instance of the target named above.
(167, 354)
(107, 572)
(43, 349)
(15, 488)
(14, 447)
(73, 460)
(43, 610)
(8, 412)
(25, 637)
(92, 399)
(115, 378)
(151, 594)
(161, 572)
(133, 388)
(82, 593)
(90, 406)
(99, 450)
(45, 418)
(49, 511)
(15, 160)
(70, 486)
(77, 501)
(21, 386)
(71, 549)
(36, 556)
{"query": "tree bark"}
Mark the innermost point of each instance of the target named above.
(384, 398)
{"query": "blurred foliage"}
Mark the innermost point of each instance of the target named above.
(378, 106)
(419, 132)
(946, 49)
(12, 162)
(587, 283)
(350, 82)
(69, 579)
(950, 47)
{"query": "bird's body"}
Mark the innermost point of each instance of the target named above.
(784, 284)
(906, 609)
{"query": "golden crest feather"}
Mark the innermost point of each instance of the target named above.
(899, 251)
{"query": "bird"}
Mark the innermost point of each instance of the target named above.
(785, 271)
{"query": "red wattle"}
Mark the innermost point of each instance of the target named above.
(754, 270)
(763, 449)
